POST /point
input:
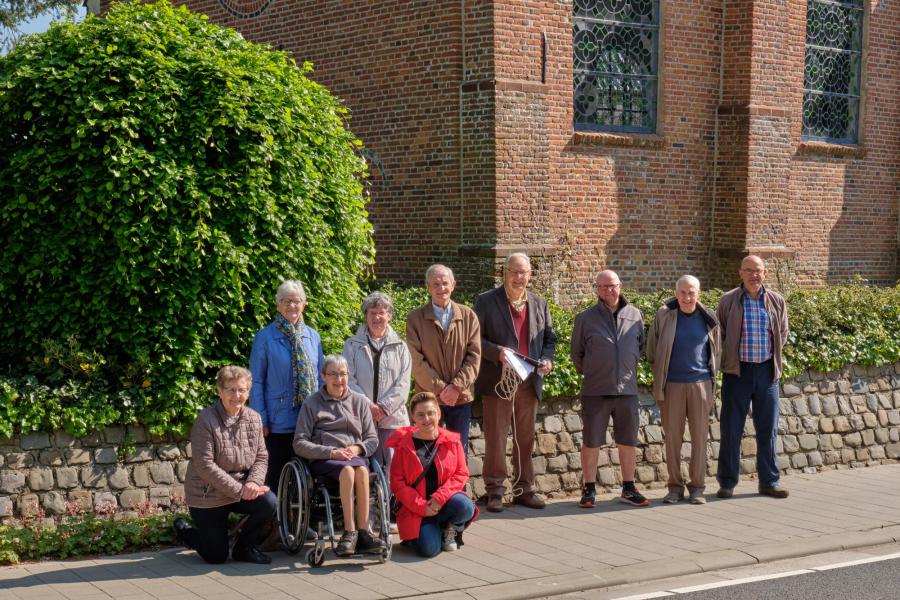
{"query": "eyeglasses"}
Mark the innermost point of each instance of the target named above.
(609, 286)
(338, 374)
(241, 391)
(520, 273)
(293, 302)
(753, 271)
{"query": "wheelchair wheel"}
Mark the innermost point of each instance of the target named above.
(381, 523)
(315, 556)
(294, 488)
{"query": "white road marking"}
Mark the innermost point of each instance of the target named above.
(647, 596)
(729, 583)
(861, 561)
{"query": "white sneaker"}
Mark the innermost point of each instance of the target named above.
(449, 542)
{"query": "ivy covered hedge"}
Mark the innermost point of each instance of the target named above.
(159, 176)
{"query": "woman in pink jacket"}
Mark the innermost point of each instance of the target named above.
(434, 509)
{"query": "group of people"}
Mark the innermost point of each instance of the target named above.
(338, 411)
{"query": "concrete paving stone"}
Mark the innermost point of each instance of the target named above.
(727, 559)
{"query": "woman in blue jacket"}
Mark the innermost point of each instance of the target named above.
(286, 361)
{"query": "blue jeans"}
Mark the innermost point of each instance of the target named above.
(458, 418)
(458, 511)
(754, 387)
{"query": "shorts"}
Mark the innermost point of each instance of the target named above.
(595, 412)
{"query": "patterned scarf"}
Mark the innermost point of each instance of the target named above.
(305, 380)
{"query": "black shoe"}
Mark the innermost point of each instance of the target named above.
(181, 528)
(347, 545)
(250, 554)
(725, 492)
(366, 544)
(587, 497)
(633, 497)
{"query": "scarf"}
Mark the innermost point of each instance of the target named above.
(304, 370)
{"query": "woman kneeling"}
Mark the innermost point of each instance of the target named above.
(428, 475)
(335, 432)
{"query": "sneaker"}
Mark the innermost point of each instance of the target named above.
(250, 554)
(633, 497)
(587, 498)
(697, 497)
(181, 528)
(347, 545)
(394, 529)
(366, 544)
(448, 543)
(725, 492)
(774, 491)
(674, 496)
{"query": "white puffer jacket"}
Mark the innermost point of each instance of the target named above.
(393, 376)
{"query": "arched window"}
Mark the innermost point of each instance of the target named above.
(616, 65)
(831, 80)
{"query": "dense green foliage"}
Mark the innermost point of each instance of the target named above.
(159, 176)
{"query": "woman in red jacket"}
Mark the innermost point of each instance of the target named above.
(434, 511)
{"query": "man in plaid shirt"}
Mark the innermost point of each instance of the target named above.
(754, 326)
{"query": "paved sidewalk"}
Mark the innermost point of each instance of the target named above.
(520, 553)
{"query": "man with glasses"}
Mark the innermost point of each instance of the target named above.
(606, 347)
(754, 326)
(513, 321)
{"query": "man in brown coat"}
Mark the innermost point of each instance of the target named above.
(444, 342)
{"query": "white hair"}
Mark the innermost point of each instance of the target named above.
(689, 279)
(514, 256)
(331, 360)
(438, 267)
(290, 287)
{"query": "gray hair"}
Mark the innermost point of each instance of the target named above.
(377, 300)
(608, 272)
(437, 267)
(514, 256)
(290, 287)
(332, 360)
(230, 373)
(689, 279)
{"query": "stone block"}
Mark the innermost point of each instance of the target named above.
(570, 481)
(114, 434)
(34, 441)
(844, 405)
(614, 456)
(862, 454)
(794, 425)
(40, 479)
(801, 408)
(893, 417)
(564, 442)
(826, 424)
(843, 386)
(877, 452)
(573, 422)
(858, 385)
(54, 503)
(715, 431)
(477, 487)
(868, 437)
(66, 477)
(145, 453)
(161, 496)
(141, 476)
(789, 390)
(893, 450)
(92, 440)
(558, 464)
(748, 465)
(872, 402)
(609, 476)
(808, 441)
(546, 443)
(841, 424)
(11, 482)
(28, 504)
(832, 457)
(553, 424)
(645, 474)
(106, 456)
(894, 435)
(476, 467)
(882, 418)
(749, 429)
(810, 424)
(477, 447)
(186, 449)
(19, 460)
(870, 420)
(785, 407)
(6, 506)
(799, 460)
(815, 405)
(51, 458)
(653, 434)
(162, 472)
(881, 435)
(791, 444)
(827, 387)
(653, 454)
(809, 388)
(118, 479)
(783, 462)
(857, 423)
(884, 400)
(830, 406)
(540, 465)
(82, 498)
(181, 468)
(93, 477)
(77, 456)
(825, 442)
(138, 434)
(603, 458)
(837, 441)
(685, 453)
(169, 452)
(853, 440)
(105, 502)
(748, 447)
(546, 483)
(61, 439)
(858, 403)
(574, 459)
(814, 459)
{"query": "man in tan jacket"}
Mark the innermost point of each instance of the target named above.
(444, 342)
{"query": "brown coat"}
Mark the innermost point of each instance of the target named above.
(731, 316)
(662, 338)
(224, 458)
(442, 357)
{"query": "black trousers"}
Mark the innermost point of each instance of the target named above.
(281, 449)
(209, 536)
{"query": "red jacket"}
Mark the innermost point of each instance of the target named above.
(452, 471)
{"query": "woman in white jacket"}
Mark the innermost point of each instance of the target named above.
(380, 367)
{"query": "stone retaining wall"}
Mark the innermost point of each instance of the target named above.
(849, 418)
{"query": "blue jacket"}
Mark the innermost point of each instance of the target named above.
(272, 394)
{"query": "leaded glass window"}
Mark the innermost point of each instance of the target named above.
(831, 80)
(616, 44)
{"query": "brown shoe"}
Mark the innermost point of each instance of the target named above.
(530, 500)
(773, 490)
(494, 503)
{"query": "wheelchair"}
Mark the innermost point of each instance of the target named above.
(305, 501)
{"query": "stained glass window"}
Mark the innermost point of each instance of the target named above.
(616, 45)
(831, 81)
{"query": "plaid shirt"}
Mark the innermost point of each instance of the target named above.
(756, 343)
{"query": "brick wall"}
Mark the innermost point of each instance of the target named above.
(465, 109)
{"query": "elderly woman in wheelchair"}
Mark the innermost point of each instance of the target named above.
(335, 434)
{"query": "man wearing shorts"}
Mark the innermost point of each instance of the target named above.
(606, 347)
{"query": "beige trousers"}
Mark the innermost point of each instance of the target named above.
(691, 401)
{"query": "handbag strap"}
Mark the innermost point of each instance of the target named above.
(426, 466)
